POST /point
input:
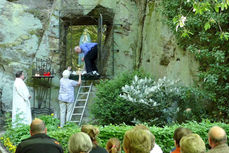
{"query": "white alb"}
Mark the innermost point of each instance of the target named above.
(21, 103)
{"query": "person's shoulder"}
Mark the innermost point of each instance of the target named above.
(26, 141)
(54, 141)
(100, 150)
(50, 138)
(73, 81)
(212, 151)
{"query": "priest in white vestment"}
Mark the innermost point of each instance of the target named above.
(21, 112)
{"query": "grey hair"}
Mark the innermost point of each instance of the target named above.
(66, 74)
(79, 142)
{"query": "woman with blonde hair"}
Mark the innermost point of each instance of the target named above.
(93, 132)
(154, 147)
(113, 145)
(79, 143)
(137, 140)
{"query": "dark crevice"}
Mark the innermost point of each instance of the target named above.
(142, 22)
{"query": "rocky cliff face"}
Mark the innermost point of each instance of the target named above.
(136, 37)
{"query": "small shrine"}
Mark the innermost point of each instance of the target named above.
(42, 75)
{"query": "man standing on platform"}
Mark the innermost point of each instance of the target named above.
(21, 111)
(90, 55)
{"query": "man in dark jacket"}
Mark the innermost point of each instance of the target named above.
(217, 139)
(39, 142)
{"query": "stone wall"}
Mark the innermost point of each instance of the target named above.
(29, 29)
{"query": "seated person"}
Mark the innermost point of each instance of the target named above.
(178, 134)
(137, 140)
(39, 142)
(217, 139)
(93, 132)
(113, 145)
(79, 143)
(192, 143)
(90, 55)
(154, 148)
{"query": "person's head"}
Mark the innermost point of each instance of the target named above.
(92, 131)
(85, 31)
(66, 74)
(137, 140)
(20, 74)
(179, 133)
(77, 49)
(216, 136)
(152, 137)
(192, 143)
(113, 145)
(37, 126)
(79, 143)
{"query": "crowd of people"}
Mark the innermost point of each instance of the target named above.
(139, 139)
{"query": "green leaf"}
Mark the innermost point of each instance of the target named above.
(186, 33)
(207, 26)
(217, 6)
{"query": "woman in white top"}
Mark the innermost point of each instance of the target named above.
(66, 95)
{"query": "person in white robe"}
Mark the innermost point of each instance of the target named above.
(21, 111)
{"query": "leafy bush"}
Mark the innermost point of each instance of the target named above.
(163, 101)
(127, 100)
(201, 27)
(164, 136)
(109, 107)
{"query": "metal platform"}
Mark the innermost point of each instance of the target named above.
(84, 77)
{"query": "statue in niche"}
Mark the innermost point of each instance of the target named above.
(84, 38)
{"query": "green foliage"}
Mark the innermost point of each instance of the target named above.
(164, 135)
(16, 134)
(207, 22)
(128, 99)
(109, 107)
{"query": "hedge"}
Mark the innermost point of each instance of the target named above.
(164, 136)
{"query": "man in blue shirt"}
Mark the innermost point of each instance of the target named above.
(90, 55)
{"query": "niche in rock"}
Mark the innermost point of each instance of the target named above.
(78, 29)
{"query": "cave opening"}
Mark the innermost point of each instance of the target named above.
(78, 29)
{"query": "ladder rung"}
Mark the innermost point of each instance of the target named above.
(85, 86)
(83, 93)
(75, 121)
(79, 107)
(81, 99)
(78, 114)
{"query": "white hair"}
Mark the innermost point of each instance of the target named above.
(77, 48)
(66, 74)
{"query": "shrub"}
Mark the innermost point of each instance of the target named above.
(203, 30)
(109, 107)
(132, 99)
(164, 135)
